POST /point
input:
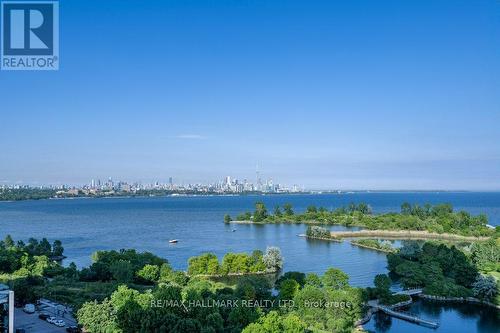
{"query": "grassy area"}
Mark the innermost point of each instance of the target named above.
(76, 293)
(495, 274)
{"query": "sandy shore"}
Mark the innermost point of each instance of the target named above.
(403, 234)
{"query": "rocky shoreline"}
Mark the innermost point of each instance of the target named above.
(471, 300)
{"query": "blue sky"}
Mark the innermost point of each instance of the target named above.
(325, 94)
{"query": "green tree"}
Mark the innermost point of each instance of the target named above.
(287, 208)
(310, 306)
(277, 211)
(260, 213)
(213, 266)
(257, 264)
(24, 289)
(382, 284)
(122, 271)
(72, 271)
(486, 255)
(149, 273)
(122, 295)
(274, 323)
(215, 321)
(98, 317)
(485, 287)
(335, 278)
(352, 208)
(200, 264)
(227, 218)
(311, 209)
(57, 248)
(410, 250)
(297, 276)
(8, 242)
(130, 316)
(313, 280)
(40, 264)
(240, 317)
(364, 208)
(187, 325)
(406, 208)
(288, 288)
(44, 248)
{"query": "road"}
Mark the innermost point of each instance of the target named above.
(32, 324)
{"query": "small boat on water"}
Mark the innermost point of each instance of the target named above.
(234, 230)
(172, 241)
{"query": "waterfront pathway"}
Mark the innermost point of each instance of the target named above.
(410, 292)
(391, 310)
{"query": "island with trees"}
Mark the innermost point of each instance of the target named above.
(413, 221)
(236, 263)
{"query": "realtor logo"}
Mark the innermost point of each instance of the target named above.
(29, 35)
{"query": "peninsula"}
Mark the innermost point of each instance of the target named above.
(413, 221)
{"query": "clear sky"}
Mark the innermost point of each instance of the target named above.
(325, 94)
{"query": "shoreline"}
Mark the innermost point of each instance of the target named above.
(389, 234)
(311, 222)
(232, 274)
(372, 248)
(321, 238)
(131, 195)
(404, 234)
(468, 300)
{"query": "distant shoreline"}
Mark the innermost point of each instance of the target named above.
(173, 195)
(311, 192)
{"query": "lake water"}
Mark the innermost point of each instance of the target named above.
(146, 224)
(452, 318)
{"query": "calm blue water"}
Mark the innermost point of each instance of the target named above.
(87, 225)
(451, 317)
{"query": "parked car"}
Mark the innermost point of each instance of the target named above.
(73, 329)
(43, 316)
(51, 320)
(59, 323)
(29, 308)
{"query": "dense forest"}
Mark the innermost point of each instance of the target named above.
(447, 271)
(26, 194)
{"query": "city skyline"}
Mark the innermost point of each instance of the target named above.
(320, 94)
(110, 186)
(257, 181)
